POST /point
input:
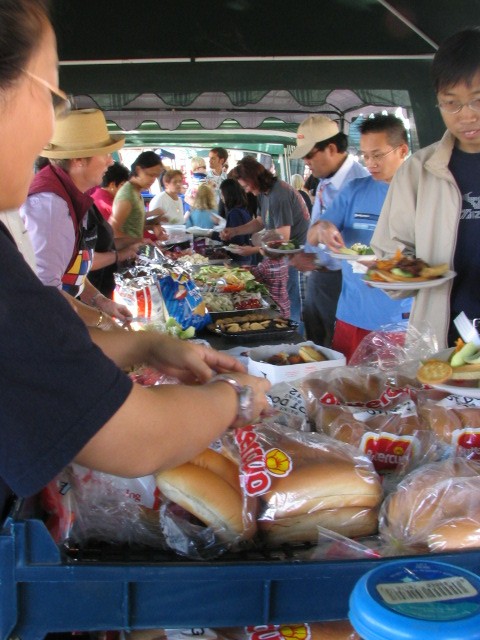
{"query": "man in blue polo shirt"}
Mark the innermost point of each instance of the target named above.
(351, 218)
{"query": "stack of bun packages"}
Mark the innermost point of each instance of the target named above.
(434, 508)
(204, 511)
(304, 481)
(330, 630)
(360, 407)
(455, 420)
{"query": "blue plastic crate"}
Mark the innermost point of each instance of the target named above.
(42, 591)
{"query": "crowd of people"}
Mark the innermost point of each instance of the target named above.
(86, 214)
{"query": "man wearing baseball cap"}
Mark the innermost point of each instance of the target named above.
(323, 148)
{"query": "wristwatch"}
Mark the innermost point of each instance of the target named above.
(245, 396)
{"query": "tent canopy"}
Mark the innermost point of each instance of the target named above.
(228, 70)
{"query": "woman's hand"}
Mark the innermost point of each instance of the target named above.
(112, 308)
(189, 362)
(127, 253)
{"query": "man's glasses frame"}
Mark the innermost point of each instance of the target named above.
(454, 106)
(377, 157)
(62, 104)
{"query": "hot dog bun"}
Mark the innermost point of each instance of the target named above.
(325, 485)
(309, 354)
(348, 521)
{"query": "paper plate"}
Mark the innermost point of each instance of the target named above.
(399, 286)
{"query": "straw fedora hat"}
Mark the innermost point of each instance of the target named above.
(83, 133)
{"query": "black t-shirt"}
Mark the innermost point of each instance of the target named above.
(57, 388)
(102, 279)
(465, 167)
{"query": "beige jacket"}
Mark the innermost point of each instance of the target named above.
(420, 216)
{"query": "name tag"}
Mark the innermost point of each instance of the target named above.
(365, 221)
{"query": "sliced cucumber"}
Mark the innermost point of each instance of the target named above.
(399, 272)
(467, 351)
(473, 359)
(347, 251)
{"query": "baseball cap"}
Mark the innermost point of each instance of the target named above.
(312, 130)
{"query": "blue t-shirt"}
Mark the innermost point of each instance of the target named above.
(201, 218)
(465, 168)
(57, 389)
(355, 212)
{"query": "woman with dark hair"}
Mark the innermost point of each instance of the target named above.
(235, 202)
(63, 394)
(114, 177)
(128, 211)
(280, 209)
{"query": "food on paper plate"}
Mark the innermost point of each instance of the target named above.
(463, 364)
(357, 249)
(402, 268)
(305, 354)
(280, 245)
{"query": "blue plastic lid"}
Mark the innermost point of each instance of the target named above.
(414, 599)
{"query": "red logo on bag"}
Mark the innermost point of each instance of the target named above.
(280, 632)
(467, 443)
(257, 465)
(387, 450)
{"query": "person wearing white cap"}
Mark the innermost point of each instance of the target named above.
(324, 149)
(55, 212)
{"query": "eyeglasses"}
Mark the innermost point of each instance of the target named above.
(310, 155)
(454, 106)
(62, 105)
(377, 157)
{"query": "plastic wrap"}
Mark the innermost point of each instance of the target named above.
(305, 480)
(205, 513)
(455, 420)
(395, 346)
(358, 406)
(85, 505)
(436, 508)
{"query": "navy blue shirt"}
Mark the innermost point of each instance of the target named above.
(57, 389)
(465, 168)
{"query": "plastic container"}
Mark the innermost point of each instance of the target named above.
(416, 599)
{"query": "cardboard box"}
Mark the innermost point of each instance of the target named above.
(276, 373)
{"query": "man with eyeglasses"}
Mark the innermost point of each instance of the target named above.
(432, 209)
(323, 147)
(352, 218)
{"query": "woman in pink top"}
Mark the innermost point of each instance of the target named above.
(112, 180)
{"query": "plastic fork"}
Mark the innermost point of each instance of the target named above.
(466, 329)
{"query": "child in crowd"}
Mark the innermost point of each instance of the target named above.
(272, 271)
(204, 210)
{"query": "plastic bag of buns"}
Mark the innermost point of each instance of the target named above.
(85, 505)
(331, 630)
(205, 512)
(359, 407)
(434, 508)
(395, 346)
(303, 481)
(455, 421)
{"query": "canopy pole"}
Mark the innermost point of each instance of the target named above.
(408, 23)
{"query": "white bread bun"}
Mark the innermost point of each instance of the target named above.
(219, 464)
(348, 521)
(462, 533)
(207, 496)
(310, 354)
(325, 485)
(431, 497)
